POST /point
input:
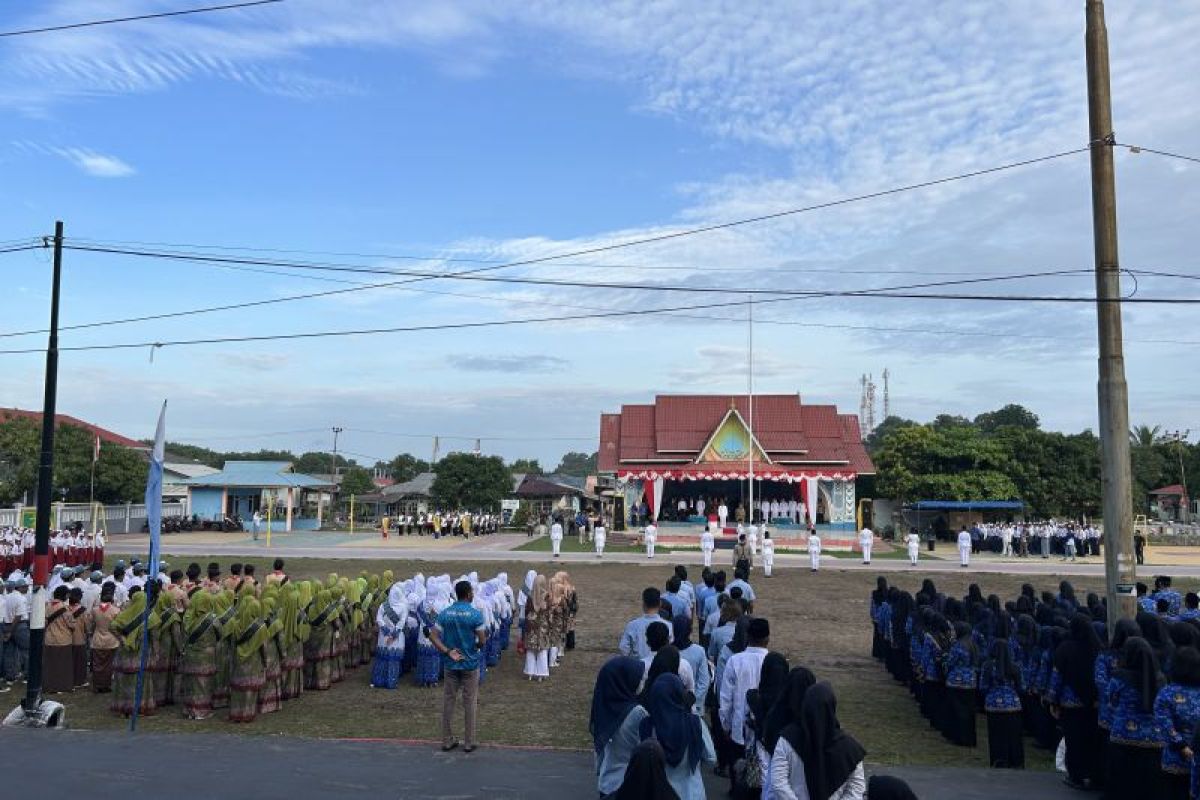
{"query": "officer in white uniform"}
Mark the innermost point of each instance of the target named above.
(598, 537)
(964, 547)
(556, 536)
(866, 538)
(651, 536)
(708, 543)
(814, 549)
(768, 552)
(913, 543)
(722, 513)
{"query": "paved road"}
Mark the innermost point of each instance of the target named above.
(117, 765)
(499, 548)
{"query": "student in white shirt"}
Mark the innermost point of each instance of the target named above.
(651, 536)
(814, 549)
(964, 547)
(913, 543)
(768, 553)
(708, 543)
(740, 675)
(599, 536)
(556, 536)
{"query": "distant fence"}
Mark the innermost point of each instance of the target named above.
(127, 518)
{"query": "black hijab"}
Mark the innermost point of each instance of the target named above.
(772, 680)
(901, 610)
(1027, 633)
(964, 636)
(928, 589)
(1185, 669)
(886, 787)
(672, 722)
(646, 775)
(784, 717)
(1000, 666)
(1124, 630)
(974, 596)
(1075, 659)
(1183, 635)
(829, 754)
(666, 662)
(881, 590)
(615, 694)
(1154, 631)
(1139, 669)
(741, 634)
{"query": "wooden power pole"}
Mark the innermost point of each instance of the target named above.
(1113, 393)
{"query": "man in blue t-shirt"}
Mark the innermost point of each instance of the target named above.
(459, 635)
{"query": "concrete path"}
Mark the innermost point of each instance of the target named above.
(201, 766)
(501, 548)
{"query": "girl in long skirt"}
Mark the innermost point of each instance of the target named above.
(318, 649)
(269, 697)
(59, 672)
(962, 678)
(1136, 736)
(1000, 682)
(164, 650)
(225, 609)
(429, 663)
(246, 679)
(538, 634)
(128, 626)
(389, 646)
(1072, 697)
(79, 637)
(1178, 707)
(294, 633)
(198, 664)
(104, 643)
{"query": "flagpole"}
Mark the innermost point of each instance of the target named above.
(750, 398)
(154, 523)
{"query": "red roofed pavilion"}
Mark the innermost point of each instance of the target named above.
(689, 448)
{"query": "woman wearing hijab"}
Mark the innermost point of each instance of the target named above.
(788, 707)
(684, 739)
(271, 694)
(696, 659)
(1155, 632)
(1066, 597)
(198, 664)
(887, 787)
(557, 618)
(1177, 707)
(616, 720)
(389, 645)
(246, 679)
(128, 627)
(165, 649)
(879, 599)
(1106, 662)
(1000, 682)
(665, 661)
(962, 679)
(938, 640)
(829, 762)
(1136, 737)
(538, 630)
(1072, 698)
(295, 632)
(646, 776)
(56, 655)
(772, 681)
(1024, 646)
(318, 650)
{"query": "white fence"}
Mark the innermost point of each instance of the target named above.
(127, 518)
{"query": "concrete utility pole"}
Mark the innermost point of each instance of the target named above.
(333, 474)
(1113, 393)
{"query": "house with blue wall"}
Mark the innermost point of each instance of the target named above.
(243, 487)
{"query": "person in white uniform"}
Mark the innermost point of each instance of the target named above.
(599, 534)
(752, 538)
(722, 513)
(791, 509)
(913, 543)
(556, 536)
(708, 543)
(700, 506)
(650, 537)
(866, 538)
(814, 549)
(768, 552)
(964, 547)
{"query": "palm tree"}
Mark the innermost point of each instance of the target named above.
(1145, 436)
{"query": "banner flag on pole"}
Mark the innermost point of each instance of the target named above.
(154, 522)
(96, 450)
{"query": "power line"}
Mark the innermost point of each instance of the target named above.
(160, 15)
(472, 275)
(1137, 148)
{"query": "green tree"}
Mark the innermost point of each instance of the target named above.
(579, 465)
(1011, 416)
(472, 482)
(120, 472)
(318, 463)
(950, 462)
(356, 481)
(212, 458)
(1145, 435)
(405, 467)
(529, 465)
(885, 429)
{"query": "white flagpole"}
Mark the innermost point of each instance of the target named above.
(750, 400)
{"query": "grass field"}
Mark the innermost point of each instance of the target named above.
(570, 544)
(819, 620)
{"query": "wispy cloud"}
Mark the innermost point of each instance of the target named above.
(99, 165)
(509, 364)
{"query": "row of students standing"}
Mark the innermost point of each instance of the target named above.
(547, 608)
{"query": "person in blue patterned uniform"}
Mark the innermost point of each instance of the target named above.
(1106, 662)
(879, 599)
(1072, 697)
(1026, 658)
(1000, 682)
(1158, 636)
(1191, 607)
(1144, 600)
(1163, 591)
(1178, 708)
(389, 644)
(962, 678)
(1136, 735)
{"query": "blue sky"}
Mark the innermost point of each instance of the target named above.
(504, 131)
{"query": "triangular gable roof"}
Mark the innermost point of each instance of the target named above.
(733, 415)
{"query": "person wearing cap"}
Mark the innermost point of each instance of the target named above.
(213, 582)
(91, 590)
(741, 674)
(164, 574)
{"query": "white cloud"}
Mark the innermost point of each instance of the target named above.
(97, 165)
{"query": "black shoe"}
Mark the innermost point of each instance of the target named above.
(1074, 784)
(446, 748)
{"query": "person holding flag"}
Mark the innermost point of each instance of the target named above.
(149, 597)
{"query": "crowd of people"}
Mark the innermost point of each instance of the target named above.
(69, 547)
(438, 524)
(1025, 539)
(771, 727)
(1122, 712)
